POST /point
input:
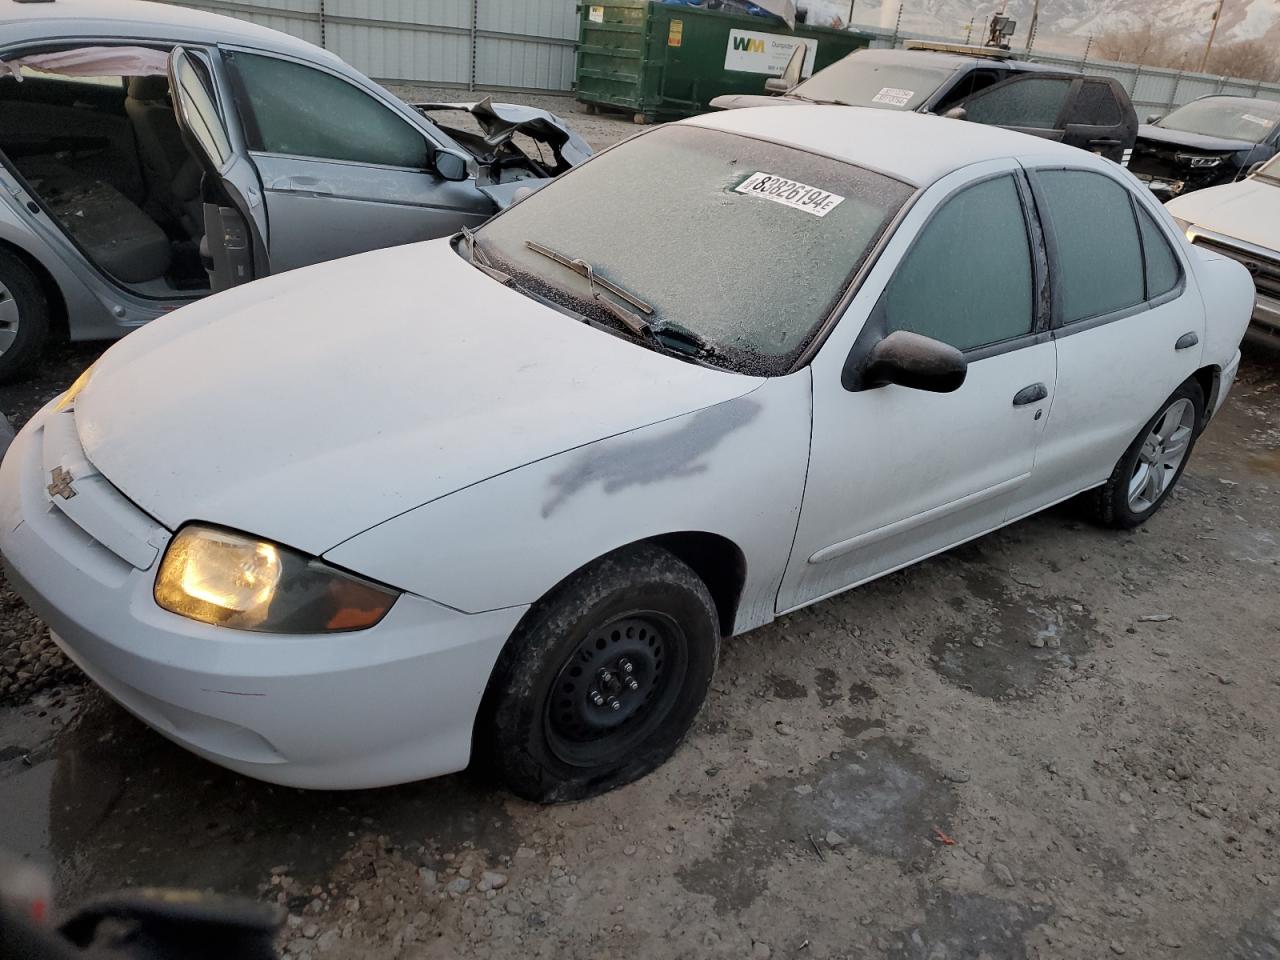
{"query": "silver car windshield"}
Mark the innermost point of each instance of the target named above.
(745, 245)
(1231, 118)
(867, 82)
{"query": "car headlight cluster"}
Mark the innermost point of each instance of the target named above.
(1199, 161)
(231, 580)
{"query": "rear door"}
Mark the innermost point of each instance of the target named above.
(235, 241)
(1102, 119)
(345, 168)
(1092, 113)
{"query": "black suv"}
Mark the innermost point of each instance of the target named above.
(1206, 142)
(982, 84)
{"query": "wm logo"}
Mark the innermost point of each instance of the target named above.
(748, 45)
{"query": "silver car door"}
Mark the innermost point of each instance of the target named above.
(345, 169)
(235, 242)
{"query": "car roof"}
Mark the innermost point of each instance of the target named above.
(950, 60)
(142, 20)
(914, 147)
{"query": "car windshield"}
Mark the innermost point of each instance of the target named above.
(863, 81)
(1232, 118)
(740, 245)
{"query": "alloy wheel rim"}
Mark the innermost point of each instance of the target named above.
(9, 318)
(615, 688)
(1161, 455)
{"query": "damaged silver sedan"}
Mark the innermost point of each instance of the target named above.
(150, 155)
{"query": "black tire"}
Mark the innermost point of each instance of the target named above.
(539, 730)
(1109, 503)
(19, 283)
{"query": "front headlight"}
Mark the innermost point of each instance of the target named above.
(1199, 161)
(231, 580)
(68, 398)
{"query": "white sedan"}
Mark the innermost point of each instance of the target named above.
(499, 498)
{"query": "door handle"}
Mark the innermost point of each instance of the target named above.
(302, 185)
(1104, 142)
(1032, 394)
(1186, 341)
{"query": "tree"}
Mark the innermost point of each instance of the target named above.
(1250, 59)
(1148, 44)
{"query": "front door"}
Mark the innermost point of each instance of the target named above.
(235, 220)
(896, 474)
(344, 170)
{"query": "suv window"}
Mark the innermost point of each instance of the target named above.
(304, 112)
(964, 293)
(1023, 102)
(1096, 105)
(967, 86)
(1097, 241)
(1163, 272)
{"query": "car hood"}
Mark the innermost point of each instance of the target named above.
(1248, 211)
(310, 406)
(1194, 141)
(502, 122)
(736, 101)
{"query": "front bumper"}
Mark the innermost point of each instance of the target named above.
(386, 705)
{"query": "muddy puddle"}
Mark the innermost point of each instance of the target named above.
(103, 802)
(1006, 640)
(876, 796)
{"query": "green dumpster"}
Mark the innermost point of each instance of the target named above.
(662, 61)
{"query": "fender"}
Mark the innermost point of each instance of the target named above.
(736, 469)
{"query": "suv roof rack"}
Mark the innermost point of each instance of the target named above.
(965, 49)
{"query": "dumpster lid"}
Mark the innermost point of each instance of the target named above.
(786, 9)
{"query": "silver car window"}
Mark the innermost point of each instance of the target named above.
(303, 112)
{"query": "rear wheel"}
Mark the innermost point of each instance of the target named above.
(1154, 462)
(24, 318)
(603, 679)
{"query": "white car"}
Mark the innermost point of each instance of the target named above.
(1241, 220)
(499, 498)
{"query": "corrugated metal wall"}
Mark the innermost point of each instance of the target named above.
(1158, 90)
(479, 44)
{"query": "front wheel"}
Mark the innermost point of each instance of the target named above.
(24, 318)
(1150, 468)
(603, 678)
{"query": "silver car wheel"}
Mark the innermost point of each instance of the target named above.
(8, 318)
(1162, 453)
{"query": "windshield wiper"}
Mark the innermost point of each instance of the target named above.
(687, 343)
(637, 324)
(480, 260)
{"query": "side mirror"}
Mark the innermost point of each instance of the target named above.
(450, 165)
(915, 362)
(791, 75)
(1153, 118)
(957, 113)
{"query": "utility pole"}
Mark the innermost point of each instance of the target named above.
(1087, 47)
(968, 33)
(1213, 31)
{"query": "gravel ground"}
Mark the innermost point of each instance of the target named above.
(1054, 742)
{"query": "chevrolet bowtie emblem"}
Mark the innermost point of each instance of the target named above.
(61, 486)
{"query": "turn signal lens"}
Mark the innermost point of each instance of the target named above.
(230, 580)
(68, 398)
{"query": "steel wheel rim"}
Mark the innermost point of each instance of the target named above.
(1161, 455)
(616, 688)
(9, 318)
